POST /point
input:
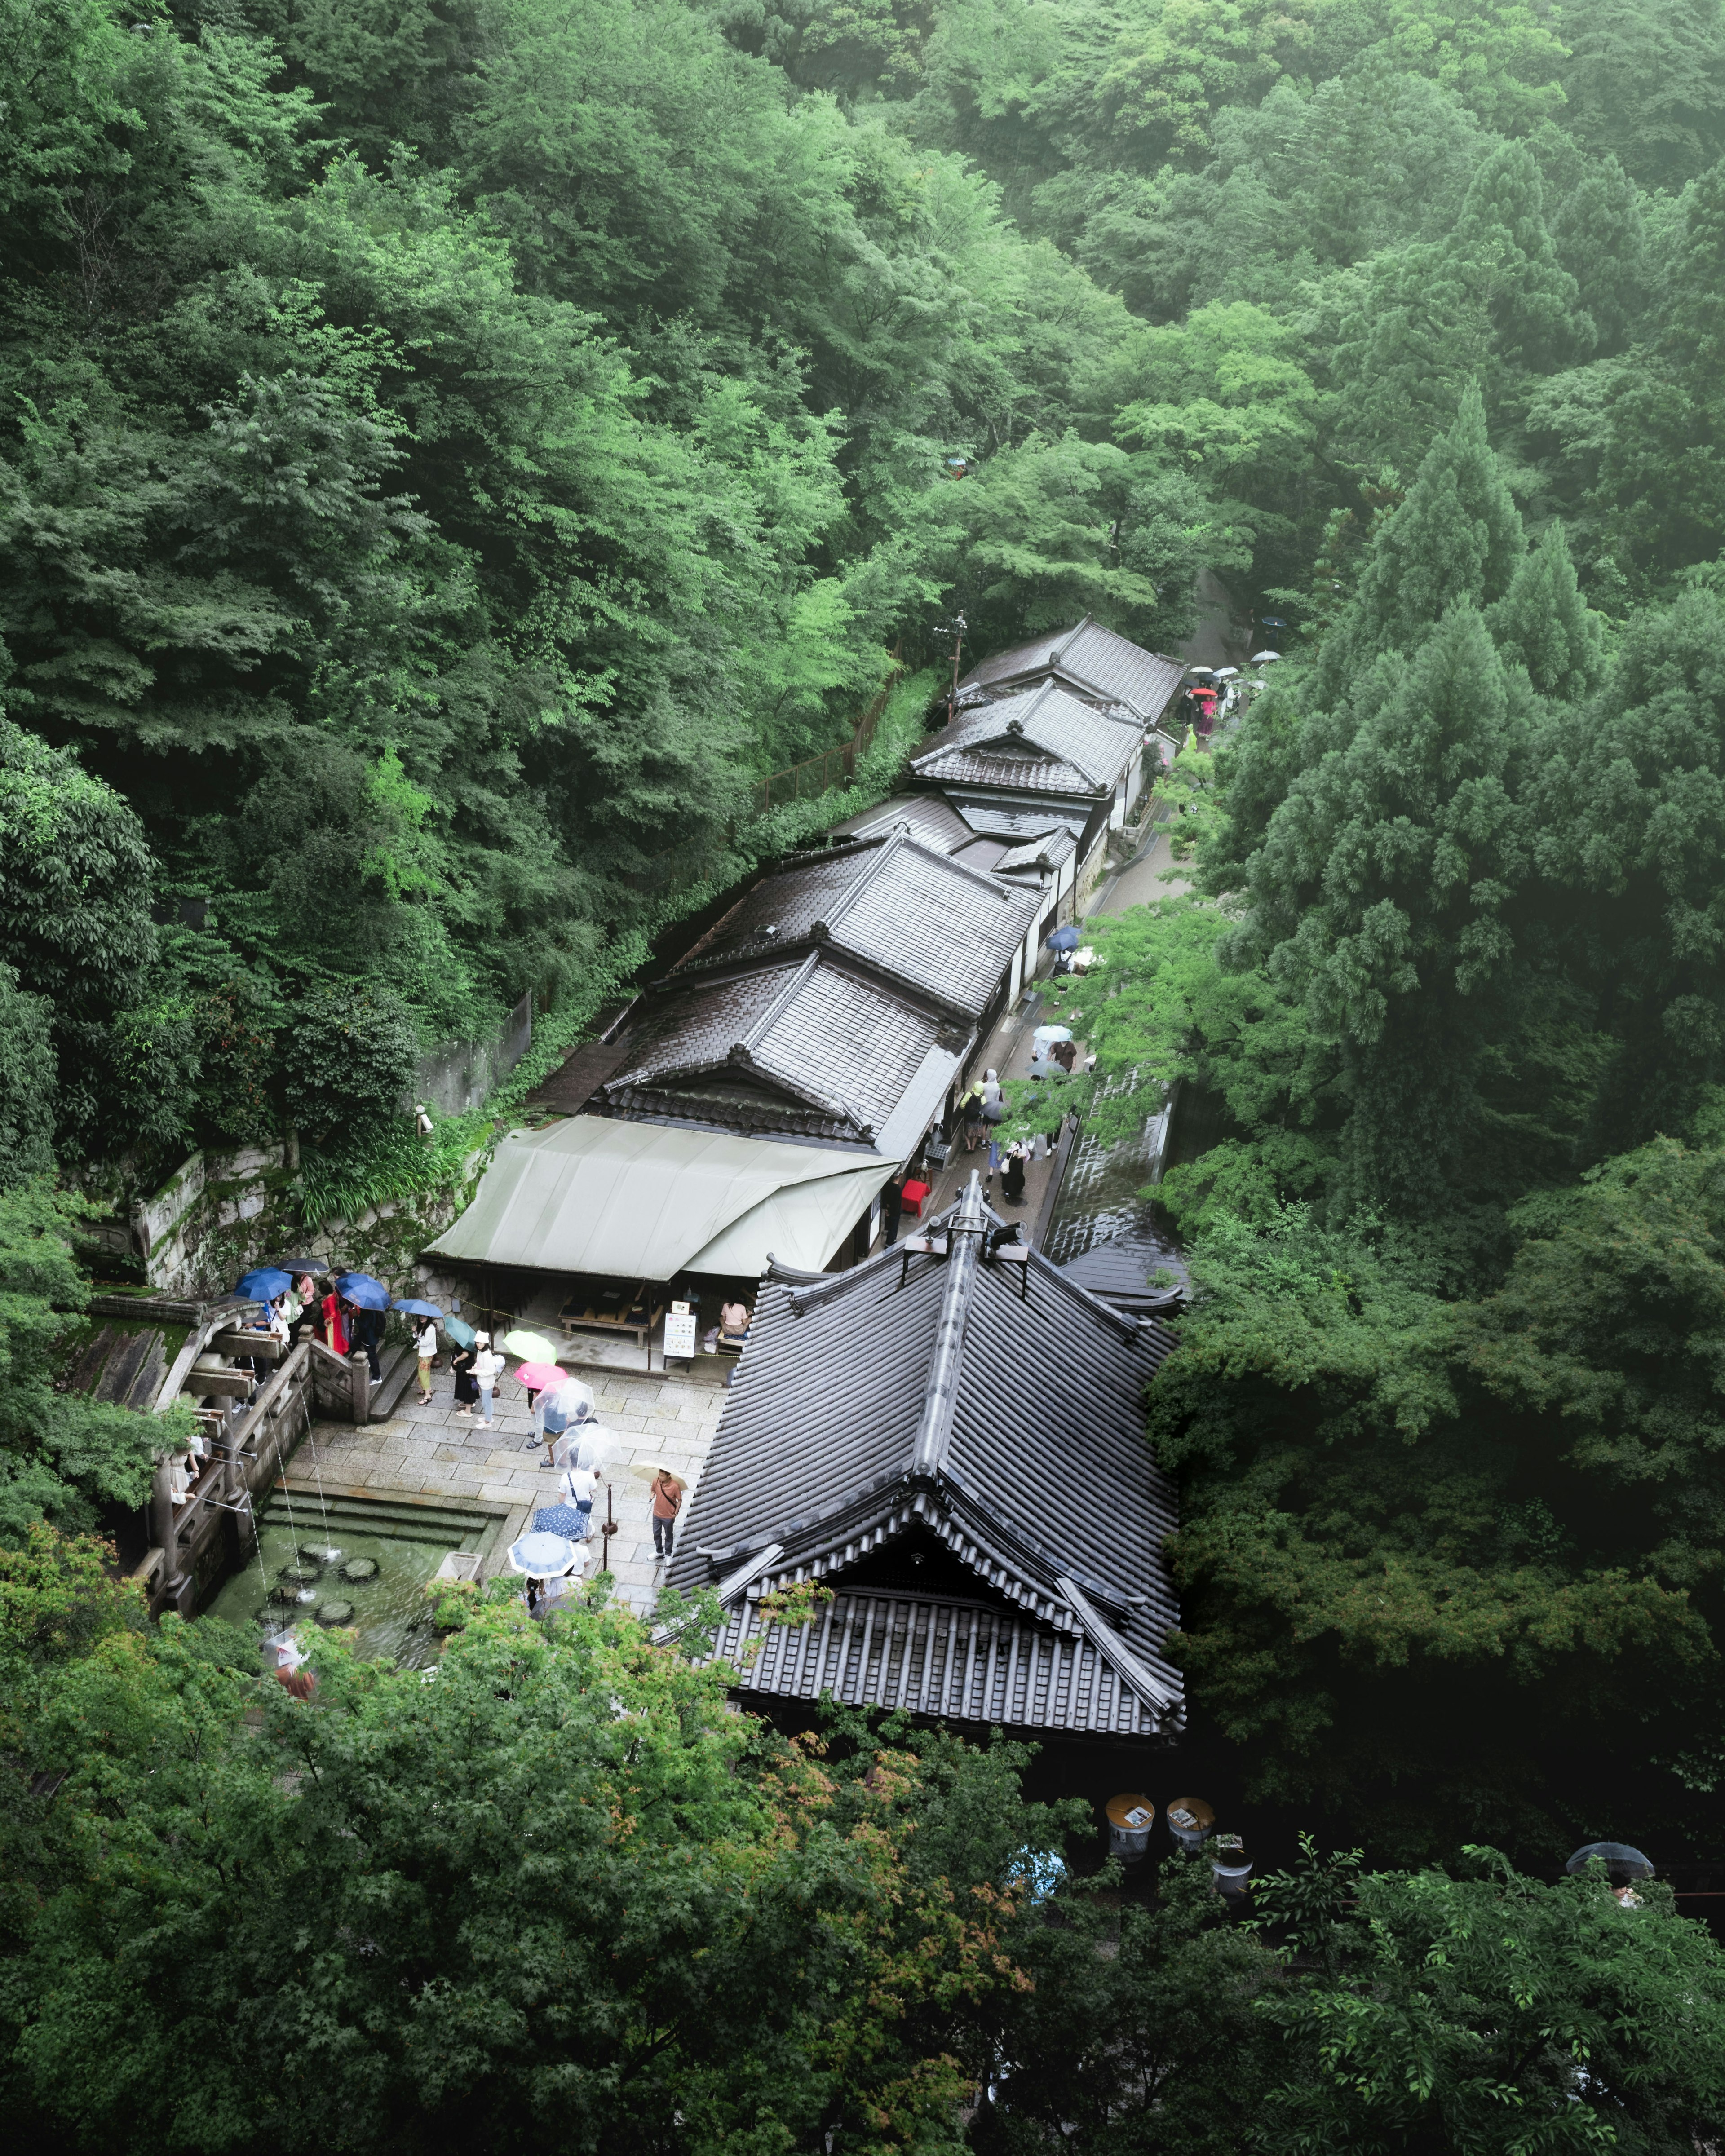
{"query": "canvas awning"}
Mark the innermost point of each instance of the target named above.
(647, 1201)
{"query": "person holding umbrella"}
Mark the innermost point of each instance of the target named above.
(335, 1325)
(465, 1340)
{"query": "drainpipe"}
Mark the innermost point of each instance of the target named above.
(964, 1243)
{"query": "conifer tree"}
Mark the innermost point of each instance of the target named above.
(1543, 623)
(1501, 240)
(1457, 537)
(1398, 854)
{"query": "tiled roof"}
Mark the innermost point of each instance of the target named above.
(1047, 852)
(1041, 740)
(1014, 819)
(958, 1660)
(809, 1046)
(1094, 659)
(931, 817)
(905, 910)
(995, 1406)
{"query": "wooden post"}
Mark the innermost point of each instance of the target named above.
(359, 1376)
(163, 1525)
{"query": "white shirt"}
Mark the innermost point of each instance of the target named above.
(487, 1365)
(582, 1485)
(427, 1343)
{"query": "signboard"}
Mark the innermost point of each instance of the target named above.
(679, 1330)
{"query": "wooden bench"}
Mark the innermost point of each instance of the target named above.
(634, 1313)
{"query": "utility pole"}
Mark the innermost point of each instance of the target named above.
(957, 628)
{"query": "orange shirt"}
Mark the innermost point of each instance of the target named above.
(667, 1497)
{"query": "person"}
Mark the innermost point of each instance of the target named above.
(667, 1503)
(581, 1486)
(1065, 1054)
(734, 1323)
(562, 1409)
(1011, 1187)
(425, 1347)
(290, 1674)
(366, 1328)
(892, 1206)
(971, 1108)
(466, 1391)
(334, 1331)
(305, 1320)
(487, 1368)
(994, 1115)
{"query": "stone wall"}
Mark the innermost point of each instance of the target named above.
(463, 1074)
(221, 1214)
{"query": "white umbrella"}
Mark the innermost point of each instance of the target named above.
(1226, 673)
(574, 1398)
(1052, 1032)
(589, 1447)
(542, 1556)
(1264, 658)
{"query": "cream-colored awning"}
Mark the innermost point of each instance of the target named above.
(649, 1201)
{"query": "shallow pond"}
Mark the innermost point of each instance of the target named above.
(358, 1563)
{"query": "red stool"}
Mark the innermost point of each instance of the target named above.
(915, 1193)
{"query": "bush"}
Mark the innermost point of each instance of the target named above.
(348, 1056)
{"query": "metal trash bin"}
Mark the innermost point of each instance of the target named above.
(1230, 1865)
(1130, 1820)
(1191, 1822)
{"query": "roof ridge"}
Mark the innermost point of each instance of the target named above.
(776, 1009)
(964, 1236)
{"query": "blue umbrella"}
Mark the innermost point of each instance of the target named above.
(1065, 939)
(560, 1520)
(361, 1289)
(419, 1310)
(457, 1330)
(265, 1284)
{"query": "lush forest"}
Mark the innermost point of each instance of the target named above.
(447, 452)
(450, 452)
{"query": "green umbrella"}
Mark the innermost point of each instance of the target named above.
(531, 1346)
(460, 1331)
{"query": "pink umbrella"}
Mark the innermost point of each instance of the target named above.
(537, 1376)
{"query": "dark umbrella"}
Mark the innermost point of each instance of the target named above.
(419, 1310)
(1065, 939)
(1622, 1863)
(364, 1292)
(296, 1266)
(560, 1520)
(263, 1285)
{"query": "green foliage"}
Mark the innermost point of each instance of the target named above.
(349, 1059)
(555, 1871)
(1402, 1592)
(1603, 2029)
(62, 1454)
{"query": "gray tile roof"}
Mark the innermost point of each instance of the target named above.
(1095, 660)
(1016, 820)
(931, 817)
(958, 1661)
(1039, 741)
(903, 910)
(1046, 853)
(927, 1394)
(808, 1046)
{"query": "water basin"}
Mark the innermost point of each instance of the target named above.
(361, 1562)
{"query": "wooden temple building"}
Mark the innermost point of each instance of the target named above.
(950, 1439)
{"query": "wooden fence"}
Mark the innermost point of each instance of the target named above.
(834, 766)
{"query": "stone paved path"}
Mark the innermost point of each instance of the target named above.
(653, 1421)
